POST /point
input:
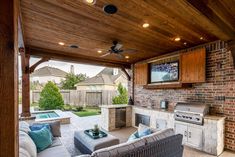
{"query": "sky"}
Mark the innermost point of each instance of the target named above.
(89, 70)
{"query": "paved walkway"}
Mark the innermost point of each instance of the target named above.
(77, 123)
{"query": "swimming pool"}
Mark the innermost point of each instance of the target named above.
(45, 115)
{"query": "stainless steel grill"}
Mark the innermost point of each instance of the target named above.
(191, 112)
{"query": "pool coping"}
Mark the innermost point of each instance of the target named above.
(63, 117)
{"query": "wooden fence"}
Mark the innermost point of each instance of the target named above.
(81, 98)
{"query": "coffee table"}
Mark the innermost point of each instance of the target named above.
(87, 145)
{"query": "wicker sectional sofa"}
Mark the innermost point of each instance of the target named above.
(159, 144)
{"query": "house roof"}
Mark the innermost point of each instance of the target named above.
(49, 71)
(104, 77)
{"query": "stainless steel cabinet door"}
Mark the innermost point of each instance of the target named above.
(182, 129)
(195, 136)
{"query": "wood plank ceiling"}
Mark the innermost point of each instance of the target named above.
(47, 22)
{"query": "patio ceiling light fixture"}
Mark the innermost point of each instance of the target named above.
(91, 2)
(61, 43)
(99, 51)
(145, 25)
(177, 39)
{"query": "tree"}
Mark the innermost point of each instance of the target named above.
(50, 97)
(122, 98)
(71, 80)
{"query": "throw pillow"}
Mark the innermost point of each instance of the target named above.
(133, 137)
(24, 126)
(26, 143)
(39, 126)
(41, 138)
(142, 127)
(144, 132)
(55, 127)
(23, 153)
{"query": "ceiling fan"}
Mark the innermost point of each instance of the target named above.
(116, 49)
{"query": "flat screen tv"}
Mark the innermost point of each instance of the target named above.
(164, 72)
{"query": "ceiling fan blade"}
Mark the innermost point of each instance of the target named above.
(129, 50)
(118, 46)
(120, 56)
(106, 54)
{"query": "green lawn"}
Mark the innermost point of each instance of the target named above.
(88, 112)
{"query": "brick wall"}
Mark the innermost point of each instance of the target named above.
(218, 92)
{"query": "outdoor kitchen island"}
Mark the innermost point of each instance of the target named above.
(208, 137)
(115, 117)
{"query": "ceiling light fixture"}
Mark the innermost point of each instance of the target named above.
(99, 51)
(127, 57)
(91, 2)
(145, 25)
(177, 39)
(201, 38)
(185, 43)
(61, 43)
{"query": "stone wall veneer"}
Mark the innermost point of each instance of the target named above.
(218, 92)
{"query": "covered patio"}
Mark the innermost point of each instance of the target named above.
(138, 34)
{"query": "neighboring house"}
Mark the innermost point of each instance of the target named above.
(45, 74)
(101, 88)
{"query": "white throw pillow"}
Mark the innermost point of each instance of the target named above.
(24, 126)
(142, 127)
(25, 142)
(23, 153)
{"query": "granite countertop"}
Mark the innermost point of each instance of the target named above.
(214, 117)
(156, 109)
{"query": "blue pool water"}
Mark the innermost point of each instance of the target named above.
(44, 115)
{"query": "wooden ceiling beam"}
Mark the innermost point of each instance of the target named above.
(42, 60)
(63, 56)
(212, 16)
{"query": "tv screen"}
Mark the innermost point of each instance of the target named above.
(164, 72)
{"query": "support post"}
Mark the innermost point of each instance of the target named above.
(8, 78)
(25, 83)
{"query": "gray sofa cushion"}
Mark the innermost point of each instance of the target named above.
(56, 142)
(26, 143)
(24, 126)
(158, 135)
(58, 151)
(117, 149)
(23, 153)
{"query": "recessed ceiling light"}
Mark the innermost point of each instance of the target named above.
(185, 43)
(145, 25)
(177, 39)
(201, 38)
(99, 51)
(61, 43)
(127, 57)
(90, 1)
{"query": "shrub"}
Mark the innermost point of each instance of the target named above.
(50, 97)
(67, 107)
(122, 98)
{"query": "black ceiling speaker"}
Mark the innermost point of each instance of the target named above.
(110, 9)
(73, 46)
